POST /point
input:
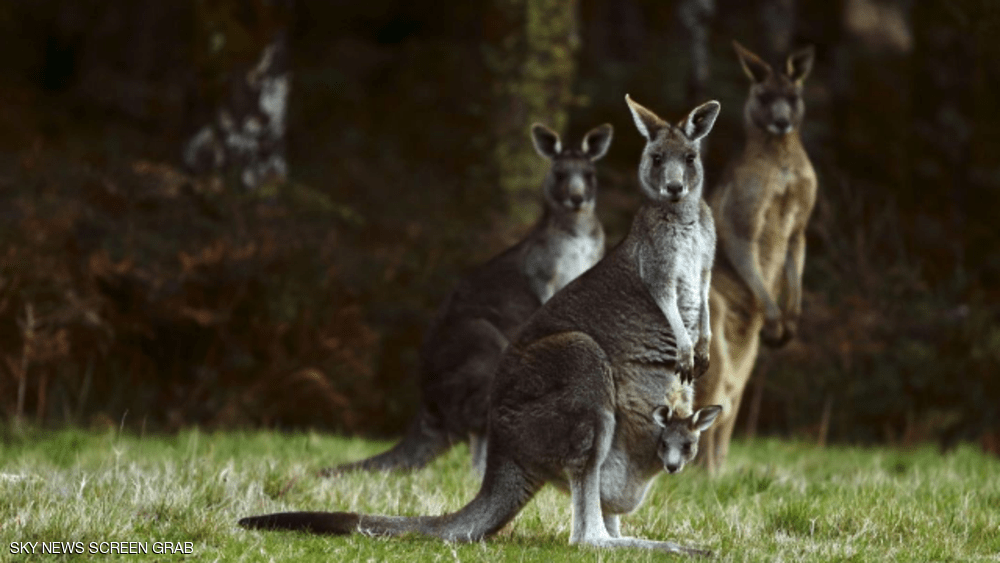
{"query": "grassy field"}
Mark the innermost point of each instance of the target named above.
(775, 501)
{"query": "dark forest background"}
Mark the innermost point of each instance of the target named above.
(139, 290)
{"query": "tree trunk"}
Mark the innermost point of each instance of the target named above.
(529, 51)
(695, 16)
(243, 82)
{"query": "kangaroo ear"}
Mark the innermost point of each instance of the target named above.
(597, 141)
(701, 420)
(701, 119)
(662, 414)
(647, 122)
(546, 141)
(800, 63)
(753, 66)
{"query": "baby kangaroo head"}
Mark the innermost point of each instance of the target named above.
(775, 102)
(670, 168)
(571, 182)
(678, 442)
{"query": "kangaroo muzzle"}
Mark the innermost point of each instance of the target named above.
(673, 184)
(576, 192)
(674, 461)
(781, 117)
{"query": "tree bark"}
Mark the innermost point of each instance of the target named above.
(695, 16)
(241, 57)
(529, 50)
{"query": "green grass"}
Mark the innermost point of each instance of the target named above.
(775, 501)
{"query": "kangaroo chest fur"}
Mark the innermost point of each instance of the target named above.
(574, 255)
(673, 251)
(773, 188)
(791, 196)
(560, 253)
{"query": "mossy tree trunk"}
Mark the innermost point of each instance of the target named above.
(243, 82)
(529, 51)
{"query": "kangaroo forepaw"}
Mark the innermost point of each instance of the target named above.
(777, 333)
(701, 363)
(773, 333)
(686, 364)
(791, 327)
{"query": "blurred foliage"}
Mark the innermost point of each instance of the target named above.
(305, 304)
(140, 290)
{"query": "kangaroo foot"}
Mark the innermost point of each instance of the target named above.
(637, 543)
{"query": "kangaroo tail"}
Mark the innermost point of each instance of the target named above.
(424, 441)
(339, 523)
(505, 491)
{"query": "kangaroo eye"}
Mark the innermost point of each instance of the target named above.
(690, 158)
(589, 176)
(560, 177)
(657, 159)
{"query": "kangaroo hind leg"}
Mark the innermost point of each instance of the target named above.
(585, 488)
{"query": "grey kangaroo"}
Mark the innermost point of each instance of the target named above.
(573, 398)
(761, 209)
(678, 441)
(473, 326)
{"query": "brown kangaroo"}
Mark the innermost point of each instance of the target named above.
(761, 208)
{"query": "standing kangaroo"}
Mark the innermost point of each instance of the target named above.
(761, 209)
(573, 398)
(477, 320)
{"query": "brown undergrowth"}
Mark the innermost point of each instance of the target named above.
(143, 295)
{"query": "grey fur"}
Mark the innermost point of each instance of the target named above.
(675, 241)
(678, 442)
(476, 322)
(624, 485)
(573, 396)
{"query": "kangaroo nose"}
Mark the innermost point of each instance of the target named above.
(781, 123)
(675, 188)
(576, 200)
(673, 468)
